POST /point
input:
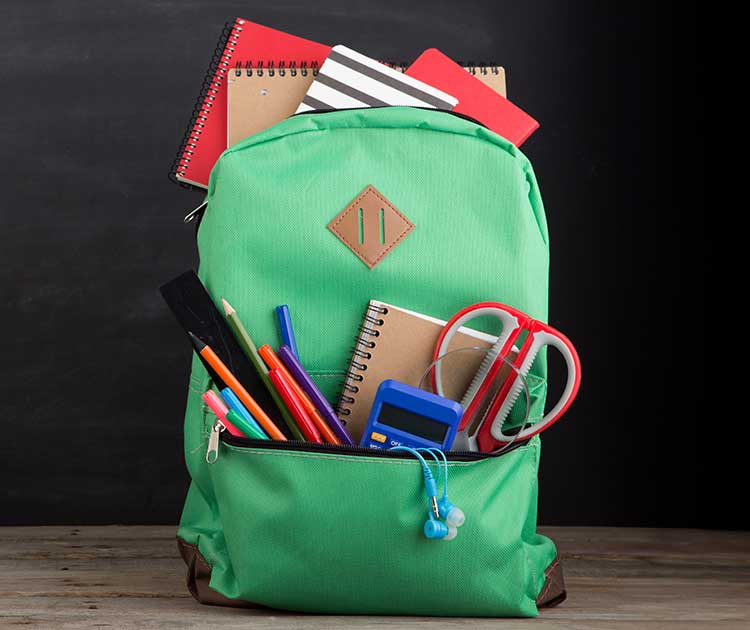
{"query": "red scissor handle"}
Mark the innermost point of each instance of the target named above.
(490, 434)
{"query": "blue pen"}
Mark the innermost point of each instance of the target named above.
(285, 328)
(234, 403)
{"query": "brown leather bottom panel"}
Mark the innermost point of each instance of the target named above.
(553, 593)
(199, 575)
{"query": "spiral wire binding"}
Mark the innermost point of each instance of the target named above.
(361, 353)
(474, 68)
(217, 72)
(481, 67)
(271, 68)
(212, 81)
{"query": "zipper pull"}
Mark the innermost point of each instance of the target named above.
(212, 454)
(194, 212)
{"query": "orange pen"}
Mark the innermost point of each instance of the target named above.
(231, 381)
(274, 363)
(295, 406)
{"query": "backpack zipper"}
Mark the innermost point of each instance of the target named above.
(429, 109)
(212, 452)
(196, 214)
(218, 434)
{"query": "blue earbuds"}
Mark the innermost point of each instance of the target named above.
(437, 530)
(452, 514)
(434, 528)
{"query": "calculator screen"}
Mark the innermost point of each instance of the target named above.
(413, 423)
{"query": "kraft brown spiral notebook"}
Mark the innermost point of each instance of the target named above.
(258, 97)
(397, 343)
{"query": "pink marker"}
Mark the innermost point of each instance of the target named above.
(216, 404)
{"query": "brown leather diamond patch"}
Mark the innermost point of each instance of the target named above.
(371, 226)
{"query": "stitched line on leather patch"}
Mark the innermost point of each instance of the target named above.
(367, 239)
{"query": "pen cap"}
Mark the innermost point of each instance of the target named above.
(216, 404)
(285, 328)
(246, 427)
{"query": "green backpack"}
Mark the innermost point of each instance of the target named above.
(326, 529)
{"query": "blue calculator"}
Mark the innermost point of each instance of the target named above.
(402, 415)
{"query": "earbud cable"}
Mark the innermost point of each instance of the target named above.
(445, 466)
(426, 473)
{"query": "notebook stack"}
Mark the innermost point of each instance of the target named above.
(261, 76)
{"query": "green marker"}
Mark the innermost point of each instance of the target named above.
(248, 347)
(243, 425)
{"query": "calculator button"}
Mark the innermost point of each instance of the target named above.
(378, 437)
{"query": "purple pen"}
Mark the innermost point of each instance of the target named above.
(316, 396)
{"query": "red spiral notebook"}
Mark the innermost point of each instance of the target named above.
(475, 99)
(242, 43)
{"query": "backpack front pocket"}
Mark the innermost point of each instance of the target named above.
(339, 532)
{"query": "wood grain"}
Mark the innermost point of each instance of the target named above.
(126, 577)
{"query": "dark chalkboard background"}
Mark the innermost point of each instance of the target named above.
(95, 96)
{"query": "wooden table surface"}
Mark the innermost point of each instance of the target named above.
(128, 577)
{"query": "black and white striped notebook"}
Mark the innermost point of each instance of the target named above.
(348, 79)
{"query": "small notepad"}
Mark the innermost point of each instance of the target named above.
(491, 76)
(476, 98)
(397, 343)
(349, 79)
(258, 100)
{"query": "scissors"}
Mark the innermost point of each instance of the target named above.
(489, 436)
